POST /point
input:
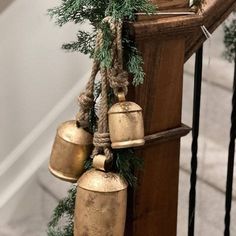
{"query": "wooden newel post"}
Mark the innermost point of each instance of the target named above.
(165, 43)
(153, 204)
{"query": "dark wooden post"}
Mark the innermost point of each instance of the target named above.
(165, 44)
(154, 201)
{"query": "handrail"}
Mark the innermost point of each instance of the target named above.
(213, 14)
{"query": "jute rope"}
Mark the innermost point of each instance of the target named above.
(101, 139)
(117, 79)
(86, 98)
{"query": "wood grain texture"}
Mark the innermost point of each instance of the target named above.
(166, 135)
(165, 43)
(164, 4)
(160, 96)
(213, 14)
(164, 27)
(165, 13)
(155, 198)
(153, 206)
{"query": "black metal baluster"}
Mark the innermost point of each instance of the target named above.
(231, 154)
(195, 132)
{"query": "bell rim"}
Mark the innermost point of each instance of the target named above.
(122, 112)
(61, 176)
(96, 191)
(126, 144)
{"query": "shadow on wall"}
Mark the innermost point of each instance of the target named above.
(4, 4)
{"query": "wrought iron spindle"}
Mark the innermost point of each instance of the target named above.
(195, 132)
(231, 154)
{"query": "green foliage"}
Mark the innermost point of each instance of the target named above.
(127, 9)
(104, 53)
(199, 3)
(134, 65)
(85, 43)
(64, 210)
(66, 231)
(125, 163)
(80, 11)
(230, 39)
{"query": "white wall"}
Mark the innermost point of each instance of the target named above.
(34, 72)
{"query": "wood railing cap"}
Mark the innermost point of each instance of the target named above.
(214, 12)
(165, 26)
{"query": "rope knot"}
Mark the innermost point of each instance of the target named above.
(119, 81)
(101, 140)
(85, 100)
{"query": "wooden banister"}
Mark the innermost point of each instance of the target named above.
(213, 14)
(165, 44)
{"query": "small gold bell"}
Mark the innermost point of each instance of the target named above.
(72, 146)
(126, 124)
(101, 200)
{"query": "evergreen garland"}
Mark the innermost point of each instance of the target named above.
(199, 4)
(65, 211)
(93, 12)
(230, 39)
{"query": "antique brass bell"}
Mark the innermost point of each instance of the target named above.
(126, 124)
(72, 146)
(101, 200)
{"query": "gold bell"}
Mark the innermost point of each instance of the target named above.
(126, 124)
(72, 146)
(101, 200)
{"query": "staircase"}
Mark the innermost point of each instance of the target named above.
(39, 84)
(28, 193)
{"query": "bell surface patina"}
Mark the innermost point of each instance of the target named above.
(126, 125)
(100, 204)
(72, 146)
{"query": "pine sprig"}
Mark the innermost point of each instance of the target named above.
(134, 65)
(199, 4)
(230, 39)
(80, 11)
(85, 43)
(64, 210)
(104, 53)
(66, 231)
(126, 162)
(125, 10)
